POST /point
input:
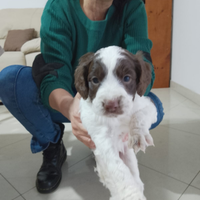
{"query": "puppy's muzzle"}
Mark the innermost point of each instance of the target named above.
(112, 106)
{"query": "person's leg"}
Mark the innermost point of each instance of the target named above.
(20, 95)
(159, 108)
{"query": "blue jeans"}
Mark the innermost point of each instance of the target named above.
(21, 96)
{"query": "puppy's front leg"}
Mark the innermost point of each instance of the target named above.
(140, 123)
(129, 158)
(113, 172)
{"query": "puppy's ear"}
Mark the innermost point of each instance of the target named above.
(145, 74)
(81, 74)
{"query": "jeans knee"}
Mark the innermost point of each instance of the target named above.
(159, 107)
(7, 79)
(160, 113)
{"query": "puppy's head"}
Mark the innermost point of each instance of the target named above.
(110, 79)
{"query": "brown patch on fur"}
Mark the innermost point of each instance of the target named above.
(124, 68)
(81, 74)
(89, 67)
(98, 70)
(138, 70)
(145, 78)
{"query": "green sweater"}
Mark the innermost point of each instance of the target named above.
(67, 34)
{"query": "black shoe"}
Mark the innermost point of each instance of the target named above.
(50, 174)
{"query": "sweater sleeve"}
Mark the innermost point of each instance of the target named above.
(56, 48)
(136, 33)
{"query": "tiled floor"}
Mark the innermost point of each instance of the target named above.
(170, 170)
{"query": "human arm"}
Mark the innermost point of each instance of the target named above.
(55, 75)
(62, 101)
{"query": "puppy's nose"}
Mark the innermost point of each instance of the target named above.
(111, 105)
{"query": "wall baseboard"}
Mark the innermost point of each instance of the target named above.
(185, 92)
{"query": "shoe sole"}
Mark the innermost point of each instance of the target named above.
(49, 190)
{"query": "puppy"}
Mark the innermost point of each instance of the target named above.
(117, 116)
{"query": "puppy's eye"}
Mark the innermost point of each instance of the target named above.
(95, 80)
(127, 79)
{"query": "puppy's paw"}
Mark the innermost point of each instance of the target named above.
(140, 139)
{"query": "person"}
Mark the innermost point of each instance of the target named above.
(44, 96)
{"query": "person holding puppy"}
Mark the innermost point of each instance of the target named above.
(44, 96)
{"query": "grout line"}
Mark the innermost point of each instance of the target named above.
(10, 184)
(194, 178)
(68, 168)
(23, 197)
(194, 187)
(13, 142)
(181, 93)
(183, 192)
(28, 191)
(186, 99)
(80, 161)
(170, 177)
(18, 197)
(167, 126)
(172, 107)
(190, 185)
(4, 119)
(164, 174)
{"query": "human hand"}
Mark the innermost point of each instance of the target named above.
(77, 127)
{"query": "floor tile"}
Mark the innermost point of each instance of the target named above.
(169, 98)
(76, 150)
(159, 186)
(192, 106)
(19, 198)
(79, 182)
(7, 192)
(8, 124)
(20, 166)
(176, 153)
(183, 117)
(9, 139)
(11, 130)
(4, 113)
(191, 194)
(196, 181)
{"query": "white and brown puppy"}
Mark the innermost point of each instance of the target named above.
(117, 116)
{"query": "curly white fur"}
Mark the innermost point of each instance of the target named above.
(115, 137)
